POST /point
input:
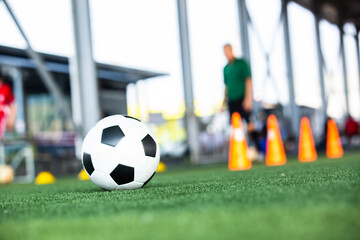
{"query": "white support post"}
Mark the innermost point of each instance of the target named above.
(290, 74)
(358, 51)
(343, 58)
(243, 22)
(244, 38)
(2, 154)
(84, 83)
(190, 118)
(30, 163)
(20, 123)
(321, 69)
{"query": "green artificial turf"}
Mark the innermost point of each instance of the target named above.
(319, 200)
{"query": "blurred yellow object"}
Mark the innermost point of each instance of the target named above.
(161, 167)
(6, 174)
(44, 178)
(82, 176)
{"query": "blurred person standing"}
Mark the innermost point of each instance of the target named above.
(238, 96)
(238, 85)
(7, 107)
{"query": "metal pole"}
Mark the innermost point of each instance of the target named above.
(190, 118)
(17, 77)
(45, 75)
(321, 68)
(342, 52)
(243, 20)
(84, 83)
(244, 38)
(289, 67)
(358, 50)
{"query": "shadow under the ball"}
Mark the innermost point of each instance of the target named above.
(94, 189)
(91, 190)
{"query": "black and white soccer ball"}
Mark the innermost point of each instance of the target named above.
(120, 153)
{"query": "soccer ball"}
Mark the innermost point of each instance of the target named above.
(120, 153)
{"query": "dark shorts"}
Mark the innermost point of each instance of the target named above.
(237, 106)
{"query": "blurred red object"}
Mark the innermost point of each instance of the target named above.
(351, 127)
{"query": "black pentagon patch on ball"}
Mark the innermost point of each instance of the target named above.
(112, 135)
(122, 174)
(147, 181)
(149, 146)
(132, 118)
(87, 162)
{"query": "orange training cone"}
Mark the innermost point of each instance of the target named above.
(333, 143)
(307, 151)
(275, 153)
(238, 146)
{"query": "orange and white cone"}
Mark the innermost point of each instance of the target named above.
(275, 153)
(307, 151)
(334, 147)
(238, 159)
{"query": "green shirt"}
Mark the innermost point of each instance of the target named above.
(235, 74)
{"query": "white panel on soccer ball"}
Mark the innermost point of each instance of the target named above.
(129, 151)
(128, 186)
(105, 158)
(145, 168)
(103, 180)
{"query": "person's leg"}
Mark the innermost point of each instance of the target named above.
(236, 106)
(231, 109)
(245, 116)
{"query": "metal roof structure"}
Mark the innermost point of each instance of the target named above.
(337, 12)
(110, 76)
